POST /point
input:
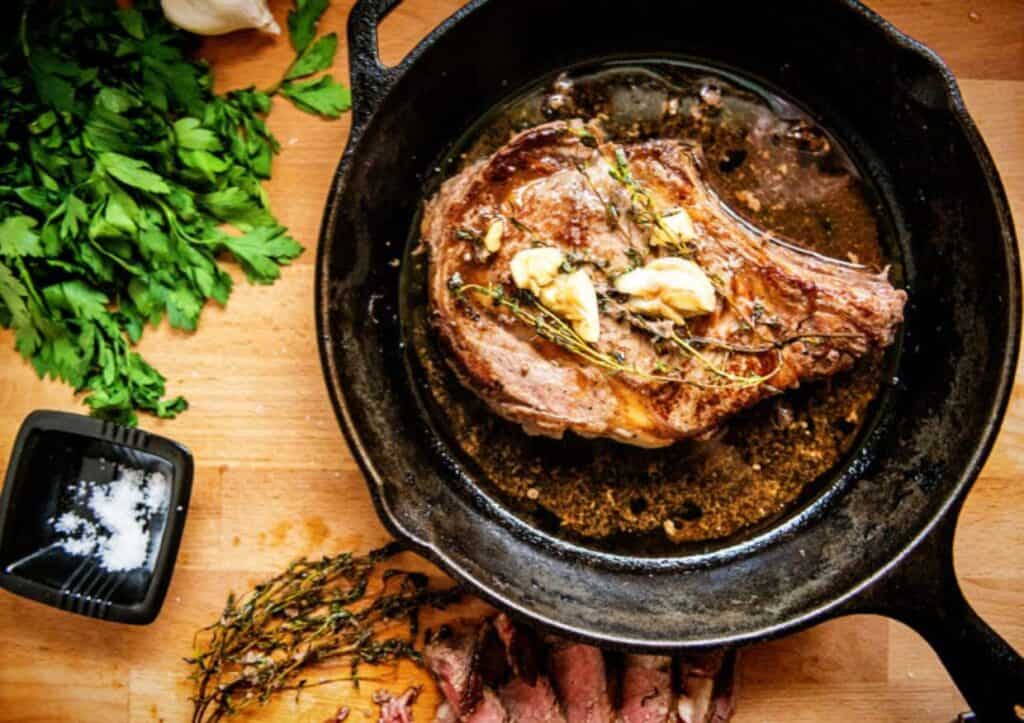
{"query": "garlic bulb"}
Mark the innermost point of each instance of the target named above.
(215, 17)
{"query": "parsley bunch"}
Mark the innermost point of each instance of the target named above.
(123, 180)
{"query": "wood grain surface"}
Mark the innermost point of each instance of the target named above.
(274, 478)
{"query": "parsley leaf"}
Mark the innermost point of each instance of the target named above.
(262, 251)
(324, 96)
(302, 22)
(193, 137)
(133, 172)
(318, 56)
(17, 237)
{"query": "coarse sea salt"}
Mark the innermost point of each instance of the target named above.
(115, 522)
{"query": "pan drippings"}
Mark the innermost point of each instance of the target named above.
(779, 171)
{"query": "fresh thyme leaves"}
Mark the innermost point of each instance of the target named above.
(547, 325)
(467, 234)
(735, 381)
(520, 226)
(636, 258)
(586, 137)
(313, 612)
(611, 214)
(644, 209)
(525, 307)
(119, 170)
(610, 209)
(323, 96)
(620, 171)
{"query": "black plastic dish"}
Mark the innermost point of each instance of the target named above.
(52, 450)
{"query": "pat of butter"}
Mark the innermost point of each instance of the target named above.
(571, 296)
(678, 227)
(668, 288)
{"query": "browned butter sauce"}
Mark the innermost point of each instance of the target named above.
(779, 170)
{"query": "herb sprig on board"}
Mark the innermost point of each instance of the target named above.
(123, 181)
(337, 611)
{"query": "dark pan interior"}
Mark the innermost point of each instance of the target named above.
(897, 109)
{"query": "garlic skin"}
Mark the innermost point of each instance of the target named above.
(679, 225)
(216, 17)
(571, 296)
(668, 288)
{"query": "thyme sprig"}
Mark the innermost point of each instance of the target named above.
(738, 381)
(549, 326)
(314, 611)
(690, 346)
(640, 198)
(612, 215)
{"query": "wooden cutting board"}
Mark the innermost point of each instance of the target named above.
(274, 478)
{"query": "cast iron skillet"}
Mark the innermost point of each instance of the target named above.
(879, 539)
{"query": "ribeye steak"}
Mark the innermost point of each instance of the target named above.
(580, 284)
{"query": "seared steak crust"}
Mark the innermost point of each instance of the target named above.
(782, 314)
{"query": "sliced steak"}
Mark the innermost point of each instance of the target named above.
(646, 689)
(523, 648)
(445, 714)
(528, 703)
(457, 656)
(488, 710)
(580, 678)
(396, 709)
(707, 687)
(527, 695)
(479, 666)
(776, 311)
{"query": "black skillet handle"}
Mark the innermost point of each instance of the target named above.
(923, 593)
(371, 80)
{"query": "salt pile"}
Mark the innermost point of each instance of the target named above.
(115, 522)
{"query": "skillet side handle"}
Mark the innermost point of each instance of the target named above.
(923, 592)
(371, 79)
